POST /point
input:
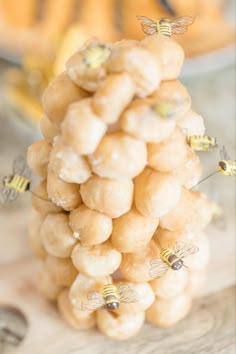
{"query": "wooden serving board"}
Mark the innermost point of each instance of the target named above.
(209, 328)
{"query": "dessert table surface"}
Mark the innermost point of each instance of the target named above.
(209, 328)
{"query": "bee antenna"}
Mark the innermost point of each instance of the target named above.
(204, 179)
(185, 266)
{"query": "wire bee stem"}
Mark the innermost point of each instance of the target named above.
(204, 179)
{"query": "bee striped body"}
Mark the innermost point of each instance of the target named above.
(164, 27)
(111, 296)
(95, 56)
(227, 167)
(202, 142)
(18, 183)
(168, 256)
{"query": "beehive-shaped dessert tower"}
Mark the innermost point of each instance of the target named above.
(117, 172)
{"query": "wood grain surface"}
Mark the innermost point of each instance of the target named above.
(209, 328)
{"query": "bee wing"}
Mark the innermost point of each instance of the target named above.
(8, 195)
(158, 268)
(224, 154)
(19, 165)
(127, 294)
(183, 21)
(95, 301)
(180, 24)
(148, 26)
(183, 249)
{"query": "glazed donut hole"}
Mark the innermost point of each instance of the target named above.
(119, 156)
(109, 196)
(41, 202)
(38, 157)
(142, 66)
(96, 261)
(145, 297)
(61, 270)
(169, 53)
(197, 281)
(176, 94)
(167, 312)
(132, 229)
(57, 236)
(135, 267)
(170, 284)
(191, 123)
(168, 154)
(119, 327)
(35, 242)
(67, 164)
(90, 226)
(124, 43)
(59, 94)
(82, 130)
(193, 212)
(189, 172)
(63, 194)
(155, 193)
(48, 130)
(75, 318)
(114, 94)
(45, 285)
(165, 238)
(142, 121)
(82, 285)
(87, 68)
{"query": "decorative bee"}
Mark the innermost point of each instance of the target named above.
(17, 183)
(202, 142)
(164, 110)
(226, 166)
(110, 297)
(96, 54)
(165, 26)
(171, 258)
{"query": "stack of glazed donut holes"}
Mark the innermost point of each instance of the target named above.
(117, 174)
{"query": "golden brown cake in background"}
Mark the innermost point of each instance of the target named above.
(210, 31)
(38, 25)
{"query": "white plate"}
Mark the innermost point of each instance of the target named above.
(212, 61)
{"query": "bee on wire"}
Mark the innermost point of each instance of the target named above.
(17, 183)
(202, 142)
(165, 26)
(226, 166)
(171, 258)
(109, 297)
